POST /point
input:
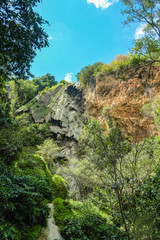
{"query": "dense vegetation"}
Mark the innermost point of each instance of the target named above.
(25, 181)
(117, 192)
(118, 182)
(22, 34)
(121, 62)
(22, 91)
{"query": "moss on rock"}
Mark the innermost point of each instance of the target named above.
(60, 186)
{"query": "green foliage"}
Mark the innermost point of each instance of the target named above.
(21, 92)
(61, 210)
(25, 181)
(88, 73)
(144, 208)
(31, 163)
(152, 110)
(105, 147)
(146, 11)
(147, 47)
(24, 119)
(5, 117)
(48, 151)
(16, 136)
(77, 222)
(64, 82)
(137, 59)
(24, 190)
(111, 169)
(120, 61)
(21, 35)
(60, 186)
(8, 231)
(31, 233)
(123, 62)
(88, 227)
(44, 81)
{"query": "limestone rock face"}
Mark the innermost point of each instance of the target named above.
(62, 107)
(126, 92)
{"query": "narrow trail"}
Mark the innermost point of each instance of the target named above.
(52, 231)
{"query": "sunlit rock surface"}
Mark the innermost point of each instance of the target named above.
(62, 107)
(125, 92)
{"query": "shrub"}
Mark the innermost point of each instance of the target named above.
(144, 208)
(14, 137)
(77, 222)
(61, 210)
(88, 73)
(120, 61)
(89, 227)
(106, 68)
(24, 192)
(60, 187)
(48, 151)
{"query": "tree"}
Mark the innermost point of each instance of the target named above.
(21, 92)
(24, 191)
(48, 151)
(147, 12)
(110, 169)
(119, 61)
(45, 81)
(88, 73)
(21, 34)
(103, 155)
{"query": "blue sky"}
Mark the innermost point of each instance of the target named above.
(81, 32)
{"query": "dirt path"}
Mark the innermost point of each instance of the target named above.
(51, 232)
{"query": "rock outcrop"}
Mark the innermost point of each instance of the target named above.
(62, 107)
(125, 93)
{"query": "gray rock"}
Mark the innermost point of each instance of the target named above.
(62, 107)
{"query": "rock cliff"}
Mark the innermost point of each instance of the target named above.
(62, 107)
(125, 92)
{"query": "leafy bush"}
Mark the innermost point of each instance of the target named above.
(44, 81)
(21, 92)
(60, 187)
(78, 222)
(106, 68)
(61, 210)
(123, 61)
(120, 61)
(89, 227)
(144, 209)
(24, 192)
(48, 151)
(14, 137)
(88, 73)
